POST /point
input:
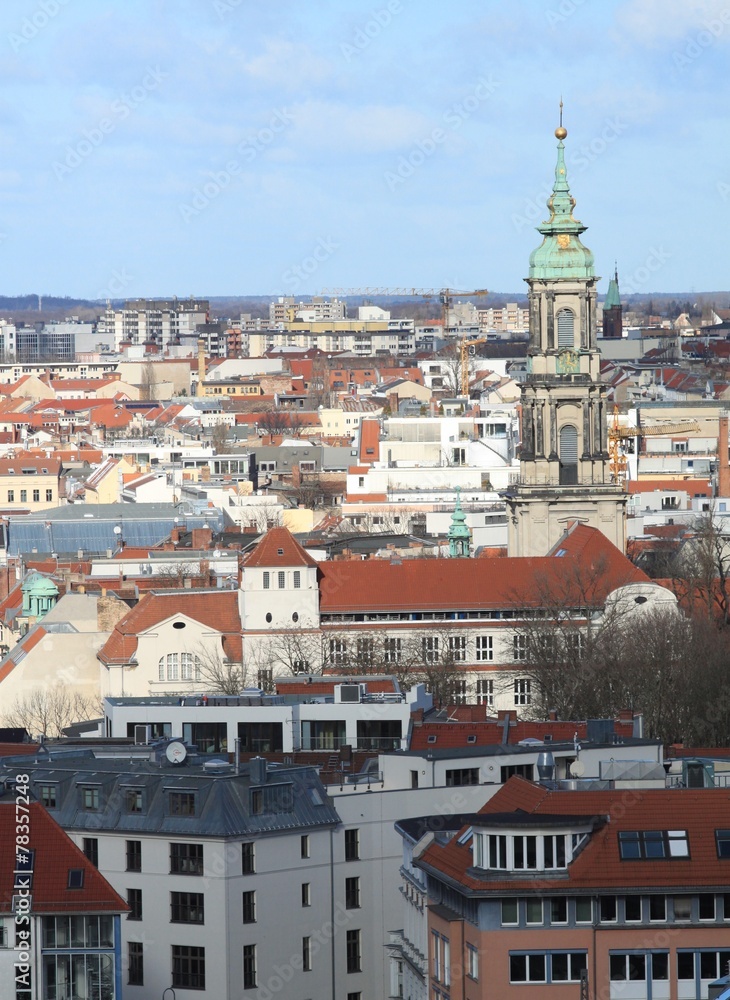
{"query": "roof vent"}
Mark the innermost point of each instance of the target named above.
(430, 739)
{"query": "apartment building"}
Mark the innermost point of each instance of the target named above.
(60, 932)
(361, 337)
(161, 322)
(624, 891)
(29, 483)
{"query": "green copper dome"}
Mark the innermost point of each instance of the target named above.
(561, 254)
(459, 533)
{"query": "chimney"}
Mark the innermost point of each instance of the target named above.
(202, 538)
(723, 461)
(201, 366)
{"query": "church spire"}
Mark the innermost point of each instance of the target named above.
(459, 534)
(561, 254)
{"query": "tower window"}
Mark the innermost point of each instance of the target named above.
(568, 456)
(566, 328)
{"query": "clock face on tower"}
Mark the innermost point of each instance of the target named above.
(568, 363)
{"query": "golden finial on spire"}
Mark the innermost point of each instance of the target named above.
(560, 132)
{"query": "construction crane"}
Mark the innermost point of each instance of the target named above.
(616, 434)
(445, 295)
(464, 355)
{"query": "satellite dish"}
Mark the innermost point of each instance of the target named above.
(577, 769)
(176, 752)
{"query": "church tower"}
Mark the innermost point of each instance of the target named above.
(613, 310)
(564, 461)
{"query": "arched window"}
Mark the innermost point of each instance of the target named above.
(566, 328)
(568, 455)
(179, 666)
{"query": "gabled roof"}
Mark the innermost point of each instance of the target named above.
(54, 855)
(599, 866)
(217, 609)
(584, 562)
(277, 548)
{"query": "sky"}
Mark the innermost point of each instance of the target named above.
(233, 147)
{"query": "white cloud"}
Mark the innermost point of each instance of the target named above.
(371, 129)
(656, 22)
(287, 66)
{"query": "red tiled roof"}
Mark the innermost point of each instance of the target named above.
(698, 811)
(369, 441)
(279, 547)
(323, 686)
(18, 749)
(218, 609)
(591, 566)
(694, 487)
(450, 735)
(55, 854)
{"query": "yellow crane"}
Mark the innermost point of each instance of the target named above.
(464, 356)
(616, 434)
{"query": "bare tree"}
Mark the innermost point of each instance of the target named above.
(218, 673)
(178, 573)
(700, 569)
(47, 711)
(262, 516)
(281, 422)
(219, 437)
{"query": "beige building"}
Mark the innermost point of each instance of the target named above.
(30, 483)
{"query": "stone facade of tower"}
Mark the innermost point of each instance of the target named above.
(564, 462)
(613, 326)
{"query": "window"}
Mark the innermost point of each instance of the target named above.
(354, 958)
(653, 844)
(523, 691)
(11, 496)
(568, 450)
(188, 967)
(281, 579)
(457, 648)
(567, 967)
(660, 965)
(352, 845)
(265, 679)
(249, 966)
(304, 846)
(527, 968)
(36, 496)
(306, 894)
(510, 912)
(365, 652)
(623, 968)
(392, 650)
(306, 955)
(430, 648)
(267, 580)
(485, 648)
(187, 908)
(706, 906)
(91, 850)
(4, 935)
(462, 776)
(608, 909)
(485, 692)
(134, 899)
(632, 909)
(533, 910)
(472, 962)
(300, 667)
(23, 496)
(248, 858)
(338, 652)
(134, 855)
(182, 803)
(168, 667)
(297, 580)
(90, 799)
(186, 859)
(519, 647)
(49, 498)
(190, 667)
(249, 907)
(525, 852)
(566, 328)
(133, 800)
(558, 910)
(682, 907)
(554, 851)
(352, 893)
(135, 965)
(722, 839)
(75, 878)
(658, 908)
(497, 851)
(583, 910)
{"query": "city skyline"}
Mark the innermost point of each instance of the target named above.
(229, 148)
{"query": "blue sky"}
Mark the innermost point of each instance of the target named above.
(226, 147)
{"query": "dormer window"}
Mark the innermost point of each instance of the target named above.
(538, 849)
